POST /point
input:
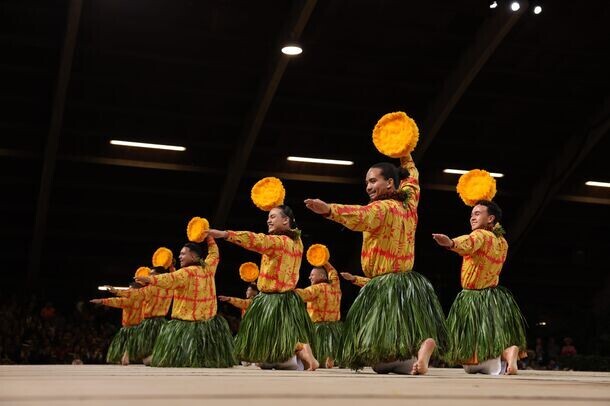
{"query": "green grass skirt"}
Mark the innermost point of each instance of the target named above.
(484, 321)
(121, 342)
(390, 318)
(327, 340)
(145, 335)
(271, 328)
(196, 344)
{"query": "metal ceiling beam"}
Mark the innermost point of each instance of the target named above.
(487, 39)
(552, 178)
(135, 163)
(583, 199)
(254, 122)
(50, 153)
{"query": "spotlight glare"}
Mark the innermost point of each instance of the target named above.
(292, 49)
(515, 6)
(537, 10)
(493, 4)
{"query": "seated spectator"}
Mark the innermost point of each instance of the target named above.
(568, 349)
(48, 311)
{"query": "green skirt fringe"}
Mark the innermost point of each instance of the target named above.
(484, 321)
(121, 342)
(272, 327)
(327, 340)
(145, 335)
(390, 318)
(196, 344)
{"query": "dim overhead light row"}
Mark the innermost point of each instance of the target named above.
(292, 48)
(516, 6)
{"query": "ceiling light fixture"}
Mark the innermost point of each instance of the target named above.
(461, 172)
(320, 160)
(515, 6)
(597, 184)
(292, 49)
(147, 145)
(493, 4)
(537, 10)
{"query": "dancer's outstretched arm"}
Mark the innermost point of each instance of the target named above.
(241, 304)
(117, 302)
(356, 218)
(356, 280)
(463, 245)
(262, 243)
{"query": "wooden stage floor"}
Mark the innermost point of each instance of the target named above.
(89, 385)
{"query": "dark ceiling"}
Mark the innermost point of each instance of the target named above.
(522, 94)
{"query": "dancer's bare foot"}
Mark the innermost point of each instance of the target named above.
(306, 356)
(125, 359)
(330, 363)
(147, 361)
(511, 355)
(420, 367)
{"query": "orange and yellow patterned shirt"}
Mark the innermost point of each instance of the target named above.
(484, 254)
(194, 287)
(387, 226)
(241, 304)
(323, 299)
(281, 261)
(156, 301)
(132, 309)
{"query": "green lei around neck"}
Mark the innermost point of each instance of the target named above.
(293, 233)
(498, 230)
(402, 195)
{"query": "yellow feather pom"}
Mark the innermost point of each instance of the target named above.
(476, 185)
(395, 135)
(142, 271)
(197, 229)
(268, 193)
(318, 255)
(248, 272)
(162, 257)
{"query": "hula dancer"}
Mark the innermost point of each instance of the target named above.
(485, 324)
(241, 304)
(156, 303)
(122, 345)
(276, 325)
(249, 273)
(396, 321)
(196, 336)
(323, 300)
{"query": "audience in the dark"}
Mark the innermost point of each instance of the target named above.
(35, 334)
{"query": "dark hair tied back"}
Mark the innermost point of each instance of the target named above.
(196, 248)
(290, 214)
(390, 171)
